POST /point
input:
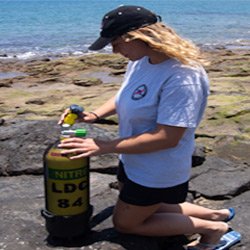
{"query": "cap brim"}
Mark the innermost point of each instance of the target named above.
(100, 43)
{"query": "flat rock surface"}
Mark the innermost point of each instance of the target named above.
(215, 181)
(33, 100)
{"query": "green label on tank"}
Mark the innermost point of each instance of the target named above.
(59, 174)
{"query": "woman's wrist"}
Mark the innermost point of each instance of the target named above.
(96, 115)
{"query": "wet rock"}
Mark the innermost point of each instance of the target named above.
(105, 163)
(24, 142)
(49, 80)
(236, 151)
(6, 83)
(2, 121)
(118, 64)
(199, 155)
(118, 72)
(87, 82)
(241, 204)
(220, 179)
(104, 60)
(23, 227)
(35, 101)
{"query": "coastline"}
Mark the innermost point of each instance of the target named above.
(35, 54)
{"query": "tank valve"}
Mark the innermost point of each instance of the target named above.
(75, 111)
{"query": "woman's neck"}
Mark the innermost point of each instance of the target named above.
(157, 57)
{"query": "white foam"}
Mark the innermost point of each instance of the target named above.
(26, 55)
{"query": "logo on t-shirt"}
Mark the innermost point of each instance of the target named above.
(139, 92)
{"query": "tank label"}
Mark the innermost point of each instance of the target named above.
(58, 174)
(67, 191)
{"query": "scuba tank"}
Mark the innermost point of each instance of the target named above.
(66, 183)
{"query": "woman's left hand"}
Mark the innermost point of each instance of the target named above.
(81, 147)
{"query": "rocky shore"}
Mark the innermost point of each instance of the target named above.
(35, 92)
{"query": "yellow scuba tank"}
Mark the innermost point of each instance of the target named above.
(66, 182)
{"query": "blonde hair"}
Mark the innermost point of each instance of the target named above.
(164, 39)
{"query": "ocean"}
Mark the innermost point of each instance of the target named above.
(31, 28)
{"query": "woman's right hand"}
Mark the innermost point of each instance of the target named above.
(87, 117)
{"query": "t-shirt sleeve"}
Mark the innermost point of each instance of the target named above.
(182, 101)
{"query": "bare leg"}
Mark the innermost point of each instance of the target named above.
(147, 221)
(194, 210)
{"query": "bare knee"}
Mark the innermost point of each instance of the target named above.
(122, 225)
(129, 218)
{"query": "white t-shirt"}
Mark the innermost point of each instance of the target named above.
(168, 93)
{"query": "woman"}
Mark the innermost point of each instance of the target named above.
(159, 106)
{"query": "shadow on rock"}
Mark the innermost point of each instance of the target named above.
(109, 236)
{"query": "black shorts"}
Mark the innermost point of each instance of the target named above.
(135, 194)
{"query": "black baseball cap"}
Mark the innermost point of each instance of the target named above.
(122, 20)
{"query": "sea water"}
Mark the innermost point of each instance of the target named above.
(31, 28)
